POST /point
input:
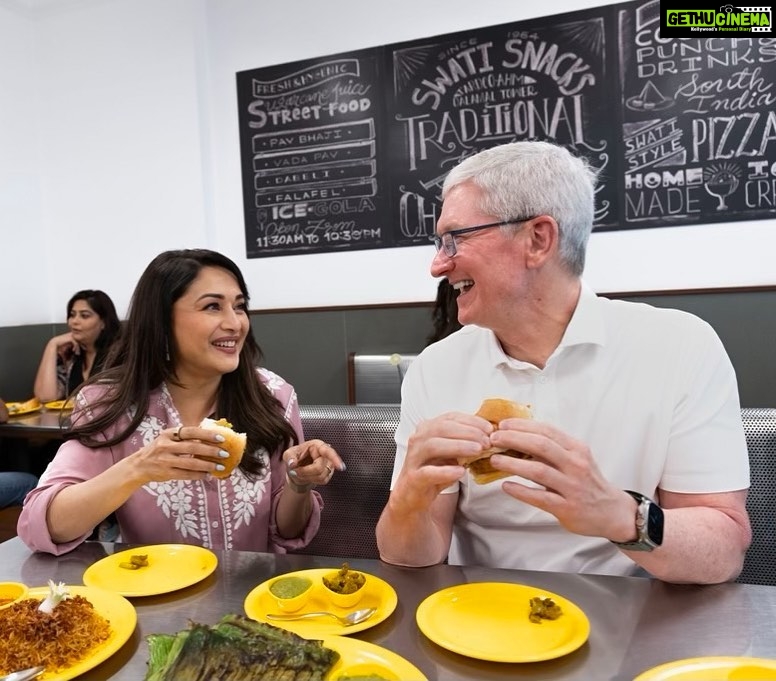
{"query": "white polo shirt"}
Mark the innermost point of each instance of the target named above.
(651, 391)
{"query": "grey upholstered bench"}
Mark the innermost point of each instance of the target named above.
(363, 435)
(354, 499)
(760, 562)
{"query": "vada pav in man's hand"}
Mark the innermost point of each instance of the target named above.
(495, 410)
(147, 441)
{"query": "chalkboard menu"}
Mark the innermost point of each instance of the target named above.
(310, 140)
(699, 124)
(349, 151)
(458, 94)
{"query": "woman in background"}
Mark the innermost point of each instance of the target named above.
(70, 358)
(445, 314)
(138, 450)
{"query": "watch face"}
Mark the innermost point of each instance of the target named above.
(655, 524)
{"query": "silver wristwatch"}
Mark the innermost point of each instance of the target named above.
(649, 525)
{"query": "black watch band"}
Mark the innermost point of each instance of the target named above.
(649, 525)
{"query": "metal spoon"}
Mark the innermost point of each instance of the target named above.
(24, 674)
(355, 617)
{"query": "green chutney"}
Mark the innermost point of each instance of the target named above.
(289, 587)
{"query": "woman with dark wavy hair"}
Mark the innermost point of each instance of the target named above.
(136, 447)
(444, 316)
(70, 358)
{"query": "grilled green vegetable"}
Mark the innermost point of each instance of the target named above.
(237, 648)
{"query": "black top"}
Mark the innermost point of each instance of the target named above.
(70, 374)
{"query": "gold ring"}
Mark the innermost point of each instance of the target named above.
(328, 468)
(176, 436)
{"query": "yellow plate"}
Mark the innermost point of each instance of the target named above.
(21, 408)
(170, 567)
(59, 405)
(489, 621)
(15, 591)
(114, 608)
(359, 658)
(379, 594)
(713, 669)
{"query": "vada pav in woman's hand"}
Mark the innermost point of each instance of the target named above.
(153, 436)
(233, 445)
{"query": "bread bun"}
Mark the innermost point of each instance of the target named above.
(234, 443)
(496, 410)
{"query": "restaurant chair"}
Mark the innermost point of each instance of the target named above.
(354, 498)
(760, 561)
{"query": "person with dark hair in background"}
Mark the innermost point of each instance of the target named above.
(70, 358)
(138, 446)
(445, 314)
(635, 460)
(14, 485)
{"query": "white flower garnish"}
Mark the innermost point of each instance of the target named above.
(57, 594)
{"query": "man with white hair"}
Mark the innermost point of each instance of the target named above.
(636, 454)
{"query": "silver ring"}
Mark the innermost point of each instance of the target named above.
(176, 436)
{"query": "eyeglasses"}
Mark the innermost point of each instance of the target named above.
(447, 240)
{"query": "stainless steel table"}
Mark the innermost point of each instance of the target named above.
(635, 623)
(43, 424)
(29, 442)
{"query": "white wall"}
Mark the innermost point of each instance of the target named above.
(23, 258)
(112, 101)
(121, 141)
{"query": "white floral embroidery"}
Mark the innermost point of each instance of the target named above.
(247, 493)
(164, 400)
(291, 406)
(176, 500)
(186, 503)
(271, 379)
(149, 429)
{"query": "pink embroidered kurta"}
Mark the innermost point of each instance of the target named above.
(235, 513)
